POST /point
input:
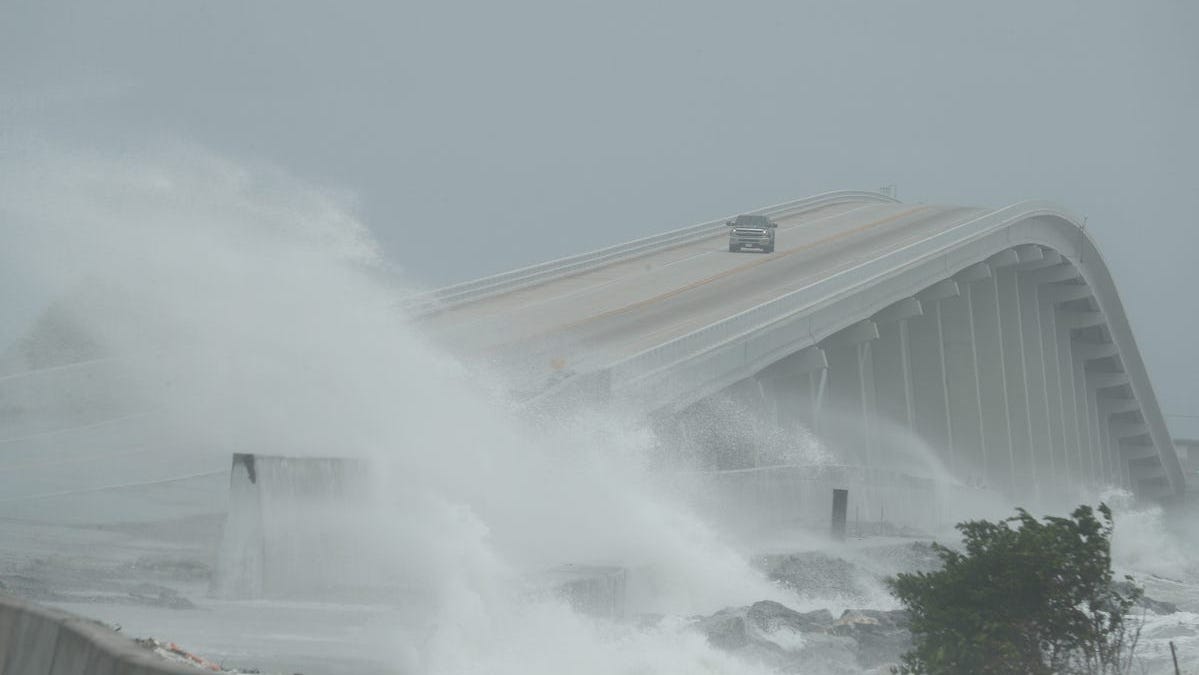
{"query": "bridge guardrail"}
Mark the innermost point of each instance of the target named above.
(478, 289)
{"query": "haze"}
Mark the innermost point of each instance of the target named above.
(476, 138)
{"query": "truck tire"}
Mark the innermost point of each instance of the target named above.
(733, 248)
(769, 249)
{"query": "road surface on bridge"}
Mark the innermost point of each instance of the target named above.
(597, 318)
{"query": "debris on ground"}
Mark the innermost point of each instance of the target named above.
(176, 654)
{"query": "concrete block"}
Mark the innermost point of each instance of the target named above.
(8, 620)
(296, 527)
(31, 644)
(86, 647)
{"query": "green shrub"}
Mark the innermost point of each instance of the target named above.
(1026, 597)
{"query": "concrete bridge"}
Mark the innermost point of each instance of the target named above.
(995, 337)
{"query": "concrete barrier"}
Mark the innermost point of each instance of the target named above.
(37, 640)
(302, 528)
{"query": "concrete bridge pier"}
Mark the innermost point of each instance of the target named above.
(983, 298)
(1100, 361)
(1011, 319)
(1044, 471)
(1116, 407)
(794, 385)
(851, 393)
(926, 353)
(1060, 417)
(891, 356)
(1076, 320)
(963, 347)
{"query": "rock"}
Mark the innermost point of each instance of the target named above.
(725, 629)
(768, 617)
(894, 618)
(815, 572)
(825, 654)
(881, 636)
(1155, 606)
(789, 641)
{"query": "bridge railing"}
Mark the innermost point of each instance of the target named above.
(478, 289)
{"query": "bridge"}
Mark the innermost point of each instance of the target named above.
(996, 338)
(918, 355)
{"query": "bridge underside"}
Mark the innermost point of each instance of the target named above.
(1004, 375)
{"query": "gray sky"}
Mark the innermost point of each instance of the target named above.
(541, 129)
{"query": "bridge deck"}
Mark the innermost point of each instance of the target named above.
(600, 317)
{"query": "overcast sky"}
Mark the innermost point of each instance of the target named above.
(540, 129)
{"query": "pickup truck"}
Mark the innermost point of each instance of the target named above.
(751, 232)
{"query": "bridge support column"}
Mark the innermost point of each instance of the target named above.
(1072, 320)
(1144, 468)
(1065, 368)
(962, 367)
(926, 353)
(1102, 434)
(1011, 320)
(1059, 421)
(1086, 418)
(1098, 443)
(1113, 406)
(793, 385)
(1096, 361)
(893, 364)
(996, 419)
(1111, 413)
(1113, 474)
(1041, 436)
(851, 391)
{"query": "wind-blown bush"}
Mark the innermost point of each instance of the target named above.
(1024, 596)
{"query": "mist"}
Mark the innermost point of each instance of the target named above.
(249, 309)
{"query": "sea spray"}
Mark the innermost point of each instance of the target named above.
(255, 314)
